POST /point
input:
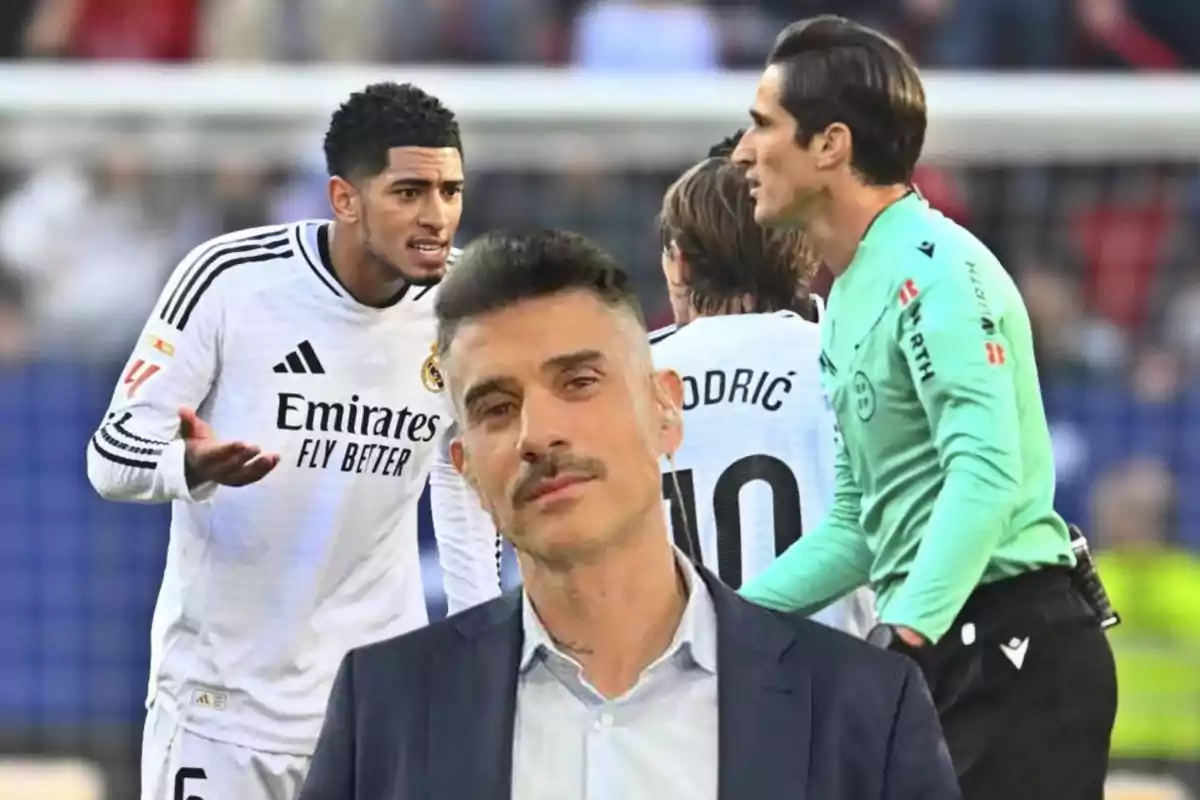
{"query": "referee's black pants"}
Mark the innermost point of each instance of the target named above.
(1026, 689)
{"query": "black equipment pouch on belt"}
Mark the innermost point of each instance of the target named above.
(1087, 581)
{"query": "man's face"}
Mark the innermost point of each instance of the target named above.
(783, 175)
(563, 423)
(410, 212)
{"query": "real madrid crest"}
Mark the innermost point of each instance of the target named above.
(431, 376)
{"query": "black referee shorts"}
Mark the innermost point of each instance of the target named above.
(1026, 688)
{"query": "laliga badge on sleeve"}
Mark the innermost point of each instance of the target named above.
(431, 376)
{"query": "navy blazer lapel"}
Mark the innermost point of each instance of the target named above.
(472, 705)
(764, 711)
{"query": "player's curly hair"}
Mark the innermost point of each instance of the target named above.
(708, 215)
(383, 116)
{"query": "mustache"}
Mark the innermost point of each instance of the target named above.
(552, 466)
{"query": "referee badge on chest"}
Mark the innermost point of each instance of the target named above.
(864, 396)
(431, 376)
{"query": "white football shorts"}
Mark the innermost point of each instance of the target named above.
(180, 765)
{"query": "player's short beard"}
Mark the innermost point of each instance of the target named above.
(387, 264)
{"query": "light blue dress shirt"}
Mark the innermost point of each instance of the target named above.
(658, 741)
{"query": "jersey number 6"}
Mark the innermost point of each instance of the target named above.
(184, 775)
(785, 499)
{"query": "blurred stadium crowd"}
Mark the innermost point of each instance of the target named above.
(600, 34)
(1108, 258)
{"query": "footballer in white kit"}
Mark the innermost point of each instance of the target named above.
(285, 398)
(755, 469)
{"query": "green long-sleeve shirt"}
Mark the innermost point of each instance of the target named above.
(944, 475)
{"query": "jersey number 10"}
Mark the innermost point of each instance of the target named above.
(785, 500)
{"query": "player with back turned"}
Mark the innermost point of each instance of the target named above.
(756, 468)
(295, 361)
(945, 485)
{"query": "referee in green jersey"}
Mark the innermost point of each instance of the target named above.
(945, 482)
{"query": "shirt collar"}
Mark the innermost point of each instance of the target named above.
(887, 224)
(896, 215)
(696, 636)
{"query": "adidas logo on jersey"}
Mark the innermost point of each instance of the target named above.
(210, 698)
(302, 360)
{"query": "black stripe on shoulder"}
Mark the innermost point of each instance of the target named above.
(200, 275)
(273, 250)
(184, 276)
(663, 333)
(117, 458)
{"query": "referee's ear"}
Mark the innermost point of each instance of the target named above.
(668, 391)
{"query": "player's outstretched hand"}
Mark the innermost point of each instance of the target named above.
(210, 460)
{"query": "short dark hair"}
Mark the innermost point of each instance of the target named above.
(725, 147)
(709, 215)
(383, 116)
(499, 270)
(836, 70)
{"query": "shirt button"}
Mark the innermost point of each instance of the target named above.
(605, 721)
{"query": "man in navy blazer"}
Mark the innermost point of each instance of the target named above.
(621, 668)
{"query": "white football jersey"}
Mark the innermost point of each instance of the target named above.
(267, 586)
(755, 469)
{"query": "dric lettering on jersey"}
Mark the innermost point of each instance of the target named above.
(745, 385)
